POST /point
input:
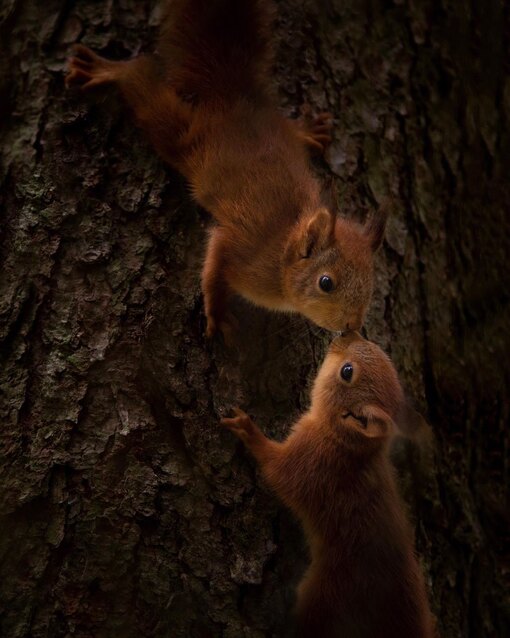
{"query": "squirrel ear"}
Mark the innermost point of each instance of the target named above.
(375, 227)
(410, 421)
(329, 194)
(316, 233)
(379, 423)
(413, 426)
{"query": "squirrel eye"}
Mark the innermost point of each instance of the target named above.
(326, 283)
(346, 372)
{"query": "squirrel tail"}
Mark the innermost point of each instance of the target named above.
(217, 48)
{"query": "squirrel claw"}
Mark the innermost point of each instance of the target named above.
(316, 129)
(236, 421)
(87, 69)
(241, 425)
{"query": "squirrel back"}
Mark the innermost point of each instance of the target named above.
(217, 49)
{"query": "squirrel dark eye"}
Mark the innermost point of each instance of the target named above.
(326, 283)
(346, 372)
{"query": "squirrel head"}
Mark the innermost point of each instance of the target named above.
(357, 390)
(329, 263)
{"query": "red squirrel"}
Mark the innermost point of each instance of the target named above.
(204, 100)
(333, 471)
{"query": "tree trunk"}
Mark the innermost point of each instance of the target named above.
(125, 510)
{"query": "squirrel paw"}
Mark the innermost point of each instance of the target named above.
(241, 425)
(87, 69)
(316, 131)
(228, 327)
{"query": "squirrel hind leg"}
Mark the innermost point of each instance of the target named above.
(88, 70)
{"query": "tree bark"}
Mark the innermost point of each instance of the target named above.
(125, 511)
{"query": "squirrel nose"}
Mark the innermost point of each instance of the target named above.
(352, 325)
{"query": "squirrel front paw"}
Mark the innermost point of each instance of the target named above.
(87, 69)
(242, 426)
(226, 325)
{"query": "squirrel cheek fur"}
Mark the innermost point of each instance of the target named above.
(333, 471)
(204, 101)
(336, 248)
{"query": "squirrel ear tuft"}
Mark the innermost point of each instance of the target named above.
(317, 233)
(375, 227)
(412, 425)
(379, 423)
(410, 421)
(329, 194)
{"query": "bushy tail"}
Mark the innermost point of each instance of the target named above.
(217, 48)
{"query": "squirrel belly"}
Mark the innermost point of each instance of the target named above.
(363, 580)
(205, 103)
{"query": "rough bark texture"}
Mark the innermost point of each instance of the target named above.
(125, 510)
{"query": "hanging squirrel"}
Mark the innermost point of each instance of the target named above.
(204, 100)
(333, 471)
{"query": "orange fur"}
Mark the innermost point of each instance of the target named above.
(204, 101)
(334, 472)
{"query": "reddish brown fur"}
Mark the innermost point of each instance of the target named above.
(204, 101)
(334, 472)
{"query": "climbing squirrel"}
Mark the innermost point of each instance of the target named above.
(204, 100)
(333, 471)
